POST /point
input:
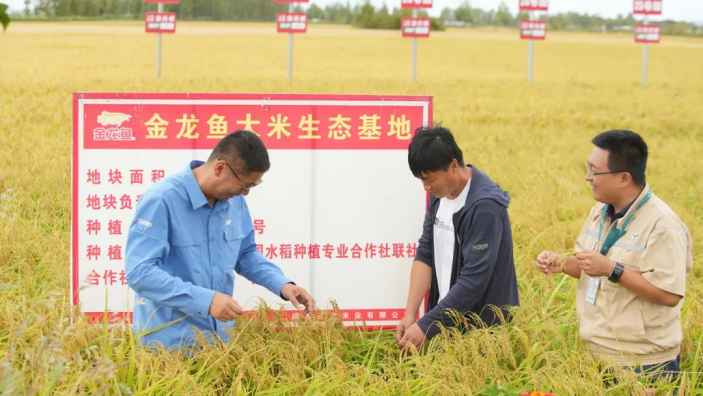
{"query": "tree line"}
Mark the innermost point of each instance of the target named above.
(363, 15)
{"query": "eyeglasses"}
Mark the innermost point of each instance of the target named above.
(590, 172)
(244, 186)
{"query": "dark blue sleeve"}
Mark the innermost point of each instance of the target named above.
(480, 240)
(425, 246)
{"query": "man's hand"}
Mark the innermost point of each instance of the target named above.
(594, 263)
(224, 308)
(297, 295)
(413, 336)
(548, 262)
(403, 326)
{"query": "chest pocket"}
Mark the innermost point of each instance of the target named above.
(187, 249)
(233, 237)
(628, 254)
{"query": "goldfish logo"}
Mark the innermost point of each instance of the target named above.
(113, 130)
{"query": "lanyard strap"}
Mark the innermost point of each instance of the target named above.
(618, 233)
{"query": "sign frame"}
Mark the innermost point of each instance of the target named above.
(416, 4)
(156, 15)
(298, 15)
(644, 10)
(426, 24)
(536, 27)
(533, 5)
(125, 125)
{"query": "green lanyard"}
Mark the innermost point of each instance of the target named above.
(617, 233)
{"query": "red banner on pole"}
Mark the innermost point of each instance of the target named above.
(416, 27)
(160, 22)
(648, 7)
(292, 22)
(647, 33)
(533, 30)
(534, 5)
(416, 3)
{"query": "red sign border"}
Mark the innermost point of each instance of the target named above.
(635, 12)
(414, 35)
(647, 41)
(114, 317)
(278, 26)
(413, 6)
(522, 37)
(533, 8)
(146, 24)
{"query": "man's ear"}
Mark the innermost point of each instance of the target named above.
(218, 167)
(625, 179)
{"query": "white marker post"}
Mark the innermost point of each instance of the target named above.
(157, 24)
(530, 53)
(532, 29)
(414, 68)
(290, 48)
(417, 31)
(649, 33)
(159, 44)
(645, 57)
(290, 23)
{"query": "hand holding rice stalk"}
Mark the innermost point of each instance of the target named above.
(551, 262)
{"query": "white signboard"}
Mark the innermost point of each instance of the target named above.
(339, 211)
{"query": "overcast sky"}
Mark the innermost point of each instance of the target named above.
(682, 10)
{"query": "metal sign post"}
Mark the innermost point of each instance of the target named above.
(159, 44)
(647, 33)
(160, 23)
(290, 48)
(410, 28)
(414, 69)
(645, 57)
(532, 29)
(530, 54)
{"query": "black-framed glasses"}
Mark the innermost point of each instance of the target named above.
(244, 186)
(589, 171)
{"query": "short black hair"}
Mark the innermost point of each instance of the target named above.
(432, 150)
(245, 148)
(627, 152)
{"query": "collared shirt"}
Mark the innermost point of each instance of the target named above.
(621, 325)
(610, 211)
(181, 250)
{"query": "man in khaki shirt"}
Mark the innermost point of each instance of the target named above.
(633, 256)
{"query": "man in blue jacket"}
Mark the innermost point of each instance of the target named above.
(192, 231)
(465, 254)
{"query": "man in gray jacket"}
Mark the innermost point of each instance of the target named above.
(465, 254)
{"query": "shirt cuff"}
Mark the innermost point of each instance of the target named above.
(202, 299)
(429, 327)
(277, 286)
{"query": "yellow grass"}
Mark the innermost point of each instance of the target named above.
(532, 139)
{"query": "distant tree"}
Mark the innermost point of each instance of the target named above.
(4, 16)
(503, 16)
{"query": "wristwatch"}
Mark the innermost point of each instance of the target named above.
(616, 273)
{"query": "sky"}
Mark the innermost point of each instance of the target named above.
(681, 10)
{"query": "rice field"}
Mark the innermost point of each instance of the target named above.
(532, 139)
